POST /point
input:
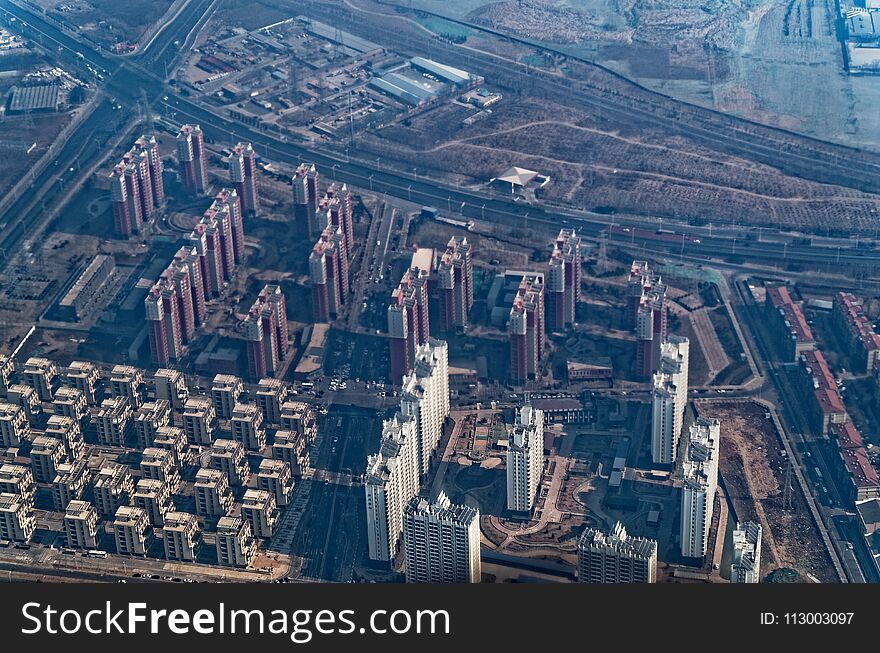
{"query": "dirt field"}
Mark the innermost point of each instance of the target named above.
(754, 472)
(716, 357)
(756, 60)
(17, 133)
(607, 143)
(108, 21)
(594, 165)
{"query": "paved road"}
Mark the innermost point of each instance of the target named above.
(334, 511)
(126, 82)
(143, 78)
(804, 450)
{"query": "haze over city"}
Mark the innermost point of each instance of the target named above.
(369, 291)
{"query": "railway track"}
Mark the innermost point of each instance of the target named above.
(630, 103)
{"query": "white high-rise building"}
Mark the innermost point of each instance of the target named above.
(392, 479)
(698, 489)
(669, 399)
(746, 564)
(616, 557)
(425, 397)
(441, 541)
(525, 459)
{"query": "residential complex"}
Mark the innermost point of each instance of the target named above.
(236, 546)
(441, 541)
(525, 459)
(17, 522)
(391, 480)
(669, 399)
(192, 160)
(136, 187)
(455, 280)
(525, 327)
(616, 557)
(265, 332)
(746, 564)
(81, 525)
(862, 342)
(648, 315)
(304, 185)
(181, 536)
(699, 485)
(328, 274)
(243, 177)
(408, 324)
(793, 334)
(424, 396)
(562, 290)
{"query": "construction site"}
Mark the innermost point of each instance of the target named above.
(760, 485)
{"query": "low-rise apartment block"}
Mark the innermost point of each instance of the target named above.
(199, 420)
(14, 425)
(148, 419)
(229, 457)
(290, 447)
(81, 525)
(67, 430)
(275, 477)
(793, 333)
(260, 509)
(113, 421)
(174, 440)
(247, 426)
(47, 453)
(822, 402)
(131, 528)
(71, 402)
(225, 393)
(18, 479)
(181, 536)
(271, 395)
(113, 487)
(154, 498)
(213, 497)
(85, 377)
(27, 398)
(126, 382)
(41, 374)
(158, 465)
(856, 330)
(171, 386)
(236, 546)
(69, 483)
(17, 522)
